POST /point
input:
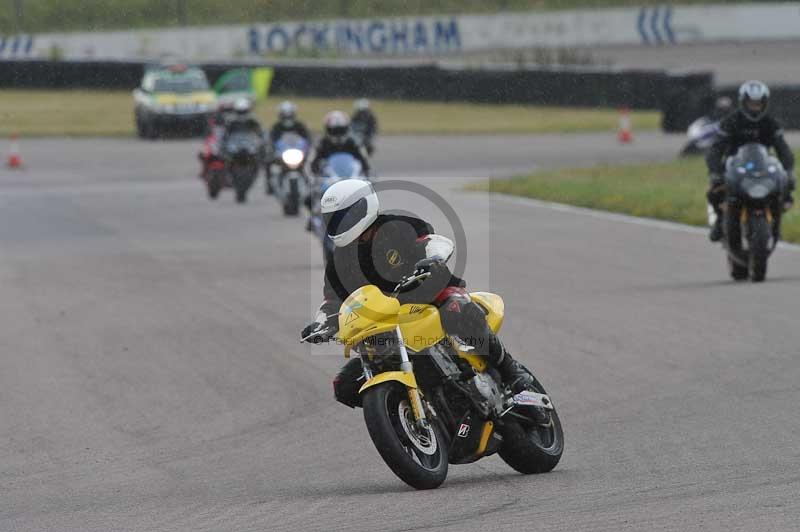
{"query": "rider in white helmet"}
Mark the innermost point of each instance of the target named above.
(242, 119)
(751, 122)
(380, 249)
(337, 139)
(288, 123)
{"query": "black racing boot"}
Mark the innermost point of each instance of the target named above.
(514, 374)
(716, 230)
(519, 379)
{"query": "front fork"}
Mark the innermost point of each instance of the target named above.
(413, 393)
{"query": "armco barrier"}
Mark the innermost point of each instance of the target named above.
(635, 89)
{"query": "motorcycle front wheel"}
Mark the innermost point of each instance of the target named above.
(214, 184)
(758, 235)
(417, 456)
(291, 205)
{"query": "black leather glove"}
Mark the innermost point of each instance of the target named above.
(317, 332)
(435, 266)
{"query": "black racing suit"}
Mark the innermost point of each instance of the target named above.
(247, 124)
(735, 131)
(243, 123)
(325, 148)
(279, 128)
(387, 251)
(366, 124)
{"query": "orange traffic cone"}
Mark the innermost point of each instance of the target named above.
(14, 155)
(625, 134)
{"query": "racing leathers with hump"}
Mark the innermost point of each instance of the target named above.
(337, 139)
(750, 123)
(381, 249)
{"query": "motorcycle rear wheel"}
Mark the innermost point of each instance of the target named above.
(532, 449)
(418, 459)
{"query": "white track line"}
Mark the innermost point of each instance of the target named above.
(616, 217)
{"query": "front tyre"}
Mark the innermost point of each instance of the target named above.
(291, 206)
(417, 456)
(737, 271)
(533, 448)
(758, 236)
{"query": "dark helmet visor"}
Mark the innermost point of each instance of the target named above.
(343, 220)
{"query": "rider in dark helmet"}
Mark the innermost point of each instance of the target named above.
(365, 124)
(337, 139)
(380, 249)
(751, 122)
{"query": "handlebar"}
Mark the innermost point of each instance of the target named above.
(405, 282)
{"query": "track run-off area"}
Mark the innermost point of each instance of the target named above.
(151, 377)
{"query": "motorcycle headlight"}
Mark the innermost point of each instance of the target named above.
(759, 190)
(293, 157)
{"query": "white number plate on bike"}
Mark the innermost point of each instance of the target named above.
(527, 398)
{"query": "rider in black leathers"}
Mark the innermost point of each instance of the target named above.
(380, 249)
(749, 123)
(288, 123)
(365, 123)
(242, 120)
(337, 139)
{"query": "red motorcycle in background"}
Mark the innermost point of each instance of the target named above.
(213, 164)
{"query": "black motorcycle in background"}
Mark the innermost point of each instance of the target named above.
(755, 187)
(242, 153)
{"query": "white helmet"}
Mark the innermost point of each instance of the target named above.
(754, 99)
(349, 207)
(287, 112)
(242, 106)
(336, 126)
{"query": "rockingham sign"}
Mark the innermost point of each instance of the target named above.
(426, 36)
(431, 35)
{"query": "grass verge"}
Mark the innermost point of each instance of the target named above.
(672, 191)
(90, 15)
(110, 113)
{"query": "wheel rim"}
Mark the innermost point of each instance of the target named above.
(544, 436)
(422, 447)
(424, 441)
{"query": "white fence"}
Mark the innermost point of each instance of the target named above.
(427, 36)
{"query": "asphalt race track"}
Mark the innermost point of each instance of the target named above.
(151, 377)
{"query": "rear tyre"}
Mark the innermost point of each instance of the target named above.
(758, 235)
(418, 458)
(533, 448)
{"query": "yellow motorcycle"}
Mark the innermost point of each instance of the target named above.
(429, 401)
